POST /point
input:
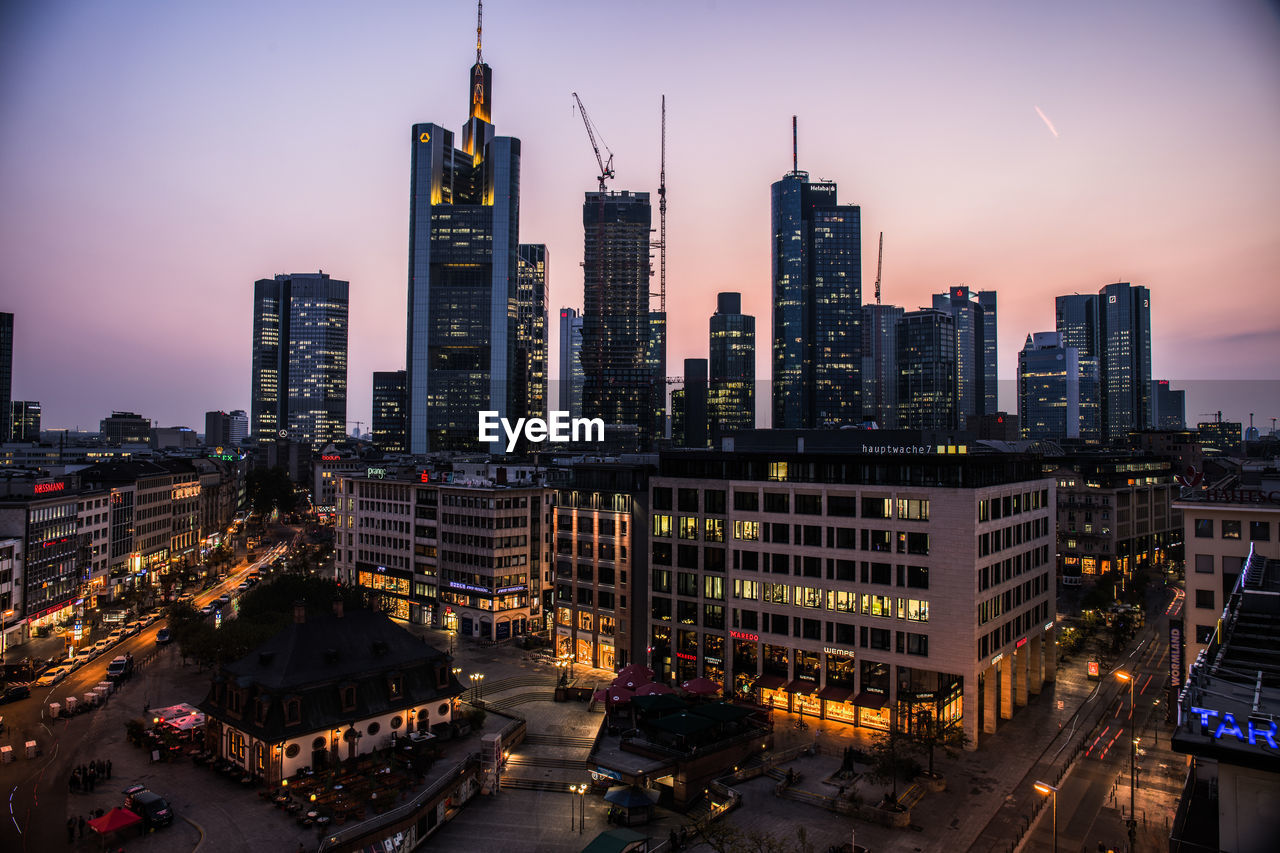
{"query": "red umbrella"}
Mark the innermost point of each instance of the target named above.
(653, 689)
(629, 681)
(599, 696)
(619, 695)
(114, 821)
(700, 687)
(640, 672)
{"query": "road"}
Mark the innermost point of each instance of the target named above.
(35, 790)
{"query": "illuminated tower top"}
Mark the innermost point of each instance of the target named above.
(479, 127)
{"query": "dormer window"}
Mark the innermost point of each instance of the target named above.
(395, 686)
(442, 677)
(293, 712)
(262, 706)
(347, 694)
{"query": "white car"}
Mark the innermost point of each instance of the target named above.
(102, 645)
(53, 676)
(85, 655)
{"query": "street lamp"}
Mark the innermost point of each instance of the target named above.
(480, 680)
(1047, 789)
(1133, 750)
(582, 801)
(452, 634)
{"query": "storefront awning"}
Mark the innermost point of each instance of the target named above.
(770, 682)
(871, 701)
(802, 687)
(835, 694)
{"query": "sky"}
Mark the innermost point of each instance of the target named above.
(156, 158)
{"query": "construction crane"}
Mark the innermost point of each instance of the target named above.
(606, 167)
(879, 266)
(661, 245)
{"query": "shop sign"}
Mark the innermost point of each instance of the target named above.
(377, 472)
(1241, 496)
(1228, 726)
(605, 773)
(48, 488)
(1093, 669)
(1020, 643)
(469, 587)
(1175, 653)
(330, 457)
(714, 661)
(844, 653)
(509, 589)
(424, 477)
(743, 635)
(684, 656)
(995, 660)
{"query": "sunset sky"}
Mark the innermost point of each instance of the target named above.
(156, 158)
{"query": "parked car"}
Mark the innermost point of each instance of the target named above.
(225, 597)
(208, 609)
(154, 809)
(54, 675)
(102, 645)
(14, 693)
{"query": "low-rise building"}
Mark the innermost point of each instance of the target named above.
(12, 624)
(41, 511)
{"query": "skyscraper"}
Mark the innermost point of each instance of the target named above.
(1077, 322)
(1168, 406)
(927, 370)
(1124, 343)
(617, 376)
(217, 429)
(531, 328)
(390, 402)
(880, 364)
(6, 373)
(975, 320)
(25, 420)
(817, 300)
(464, 218)
(299, 383)
(656, 362)
(569, 392)
(731, 393)
(690, 423)
(1048, 388)
(239, 426)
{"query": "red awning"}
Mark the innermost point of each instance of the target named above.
(803, 687)
(835, 694)
(871, 701)
(114, 821)
(770, 682)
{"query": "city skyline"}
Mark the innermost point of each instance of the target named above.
(946, 153)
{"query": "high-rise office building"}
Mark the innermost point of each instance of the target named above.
(817, 301)
(1077, 322)
(531, 328)
(25, 420)
(1048, 388)
(6, 373)
(1124, 344)
(880, 364)
(618, 380)
(125, 428)
(976, 350)
(655, 360)
(299, 385)
(731, 390)
(927, 370)
(239, 426)
(464, 218)
(1168, 406)
(390, 402)
(217, 429)
(692, 418)
(569, 392)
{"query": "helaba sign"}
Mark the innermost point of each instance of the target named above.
(558, 428)
(1227, 725)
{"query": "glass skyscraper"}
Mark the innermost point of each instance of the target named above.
(299, 384)
(732, 381)
(1048, 388)
(6, 374)
(464, 217)
(390, 402)
(880, 364)
(976, 348)
(817, 301)
(531, 328)
(569, 394)
(927, 370)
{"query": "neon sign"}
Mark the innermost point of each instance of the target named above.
(743, 635)
(684, 656)
(377, 472)
(328, 457)
(425, 477)
(1228, 725)
(838, 652)
(1020, 643)
(46, 488)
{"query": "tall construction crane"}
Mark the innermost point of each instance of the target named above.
(879, 265)
(606, 167)
(662, 216)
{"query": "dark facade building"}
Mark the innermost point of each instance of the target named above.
(618, 381)
(880, 364)
(731, 390)
(531, 328)
(927, 370)
(1219, 437)
(976, 350)
(217, 429)
(569, 392)
(690, 421)
(1168, 406)
(1048, 388)
(464, 223)
(1124, 343)
(656, 362)
(390, 404)
(125, 428)
(299, 383)
(6, 373)
(24, 420)
(42, 513)
(817, 301)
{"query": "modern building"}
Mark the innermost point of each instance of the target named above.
(6, 373)
(1168, 406)
(817, 305)
(93, 527)
(41, 512)
(880, 364)
(126, 428)
(618, 379)
(390, 406)
(299, 383)
(1048, 388)
(531, 328)
(1076, 318)
(239, 427)
(12, 611)
(692, 414)
(731, 379)
(656, 362)
(569, 392)
(463, 321)
(1124, 344)
(858, 577)
(217, 429)
(1219, 437)
(467, 553)
(174, 438)
(976, 349)
(926, 345)
(1227, 723)
(327, 688)
(24, 420)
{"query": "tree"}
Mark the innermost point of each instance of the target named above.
(890, 757)
(723, 837)
(933, 733)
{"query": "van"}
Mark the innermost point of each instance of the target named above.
(148, 805)
(119, 669)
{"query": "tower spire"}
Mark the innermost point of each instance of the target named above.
(479, 27)
(795, 147)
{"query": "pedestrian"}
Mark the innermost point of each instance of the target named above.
(80, 826)
(71, 830)
(108, 768)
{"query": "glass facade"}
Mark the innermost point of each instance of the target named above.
(531, 328)
(975, 321)
(1124, 338)
(732, 368)
(1048, 388)
(880, 363)
(569, 392)
(6, 373)
(390, 402)
(927, 370)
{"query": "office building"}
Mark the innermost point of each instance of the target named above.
(731, 379)
(880, 364)
(690, 421)
(24, 420)
(531, 329)
(1124, 344)
(239, 427)
(976, 350)
(618, 381)
(817, 301)
(1219, 437)
(1076, 319)
(1048, 388)
(1168, 406)
(42, 514)
(656, 362)
(217, 429)
(464, 218)
(6, 373)
(569, 392)
(12, 621)
(299, 383)
(761, 580)
(390, 405)
(926, 342)
(125, 428)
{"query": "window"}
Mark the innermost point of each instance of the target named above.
(913, 510)
(881, 573)
(917, 577)
(713, 587)
(1230, 528)
(876, 508)
(662, 526)
(373, 729)
(292, 712)
(687, 556)
(775, 593)
(321, 743)
(746, 529)
(662, 553)
(878, 540)
(1204, 634)
(808, 596)
(845, 507)
(713, 530)
(661, 609)
(688, 584)
(688, 527)
(713, 501)
(918, 644)
(880, 638)
(1260, 531)
(809, 504)
(713, 616)
(777, 502)
(396, 722)
(746, 589)
(687, 500)
(1204, 564)
(292, 750)
(917, 610)
(661, 498)
(1204, 528)
(1204, 599)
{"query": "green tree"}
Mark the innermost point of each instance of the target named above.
(724, 837)
(889, 758)
(933, 733)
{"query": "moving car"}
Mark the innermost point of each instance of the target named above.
(120, 668)
(163, 636)
(148, 805)
(208, 609)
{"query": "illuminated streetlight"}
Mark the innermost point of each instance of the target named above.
(1133, 750)
(1047, 789)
